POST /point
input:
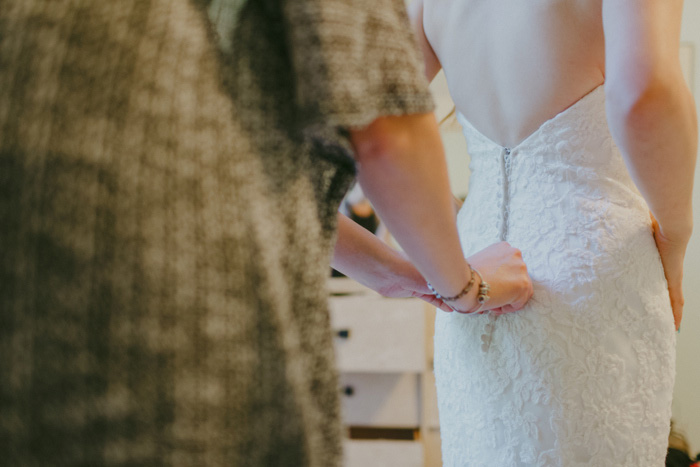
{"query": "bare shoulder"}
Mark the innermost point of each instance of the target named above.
(642, 38)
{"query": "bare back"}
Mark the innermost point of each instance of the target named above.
(511, 65)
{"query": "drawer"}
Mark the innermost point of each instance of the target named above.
(380, 400)
(375, 334)
(383, 453)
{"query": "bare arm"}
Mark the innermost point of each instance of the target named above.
(402, 170)
(432, 64)
(368, 260)
(653, 120)
(650, 108)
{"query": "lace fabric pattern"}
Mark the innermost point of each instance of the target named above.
(583, 375)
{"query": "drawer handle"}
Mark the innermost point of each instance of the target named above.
(349, 391)
(343, 333)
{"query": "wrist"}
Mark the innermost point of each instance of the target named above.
(395, 269)
(469, 301)
(467, 298)
(452, 285)
(473, 297)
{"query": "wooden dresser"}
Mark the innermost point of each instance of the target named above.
(384, 355)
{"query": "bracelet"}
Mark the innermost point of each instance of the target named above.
(464, 291)
(484, 289)
(483, 295)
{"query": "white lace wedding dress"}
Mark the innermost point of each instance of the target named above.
(583, 375)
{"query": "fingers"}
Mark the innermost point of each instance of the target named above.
(506, 309)
(434, 301)
(654, 222)
(502, 310)
(520, 303)
(509, 309)
(527, 291)
(677, 302)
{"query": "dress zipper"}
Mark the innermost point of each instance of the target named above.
(487, 335)
(506, 192)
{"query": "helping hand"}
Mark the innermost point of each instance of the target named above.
(503, 268)
(672, 252)
(410, 283)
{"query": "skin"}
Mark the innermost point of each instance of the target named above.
(360, 255)
(402, 170)
(519, 64)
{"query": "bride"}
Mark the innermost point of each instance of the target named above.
(579, 124)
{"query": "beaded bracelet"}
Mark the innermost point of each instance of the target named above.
(483, 297)
(464, 291)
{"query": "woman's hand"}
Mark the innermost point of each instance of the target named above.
(363, 257)
(672, 252)
(406, 282)
(503, 268)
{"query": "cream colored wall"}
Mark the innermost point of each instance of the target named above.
(686, 406)
(452, 138)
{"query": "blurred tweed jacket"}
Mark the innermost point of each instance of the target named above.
(169, 176)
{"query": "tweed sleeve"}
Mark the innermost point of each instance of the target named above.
(355, 60)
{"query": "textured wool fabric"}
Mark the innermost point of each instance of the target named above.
(169, 176)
